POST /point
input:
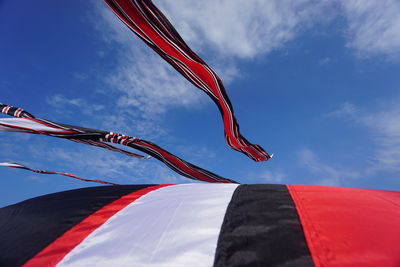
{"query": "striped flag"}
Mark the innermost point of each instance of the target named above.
(203, 225)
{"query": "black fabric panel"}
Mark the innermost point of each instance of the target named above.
(28, 227)
(261, 228)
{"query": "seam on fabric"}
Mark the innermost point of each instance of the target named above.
(387, 200)
(311, 234)
(58, 249)
(224, 226)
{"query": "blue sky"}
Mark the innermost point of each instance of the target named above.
(314, 82)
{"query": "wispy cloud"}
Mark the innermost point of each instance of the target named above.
(80, 76)
(227, 31)
(255, 27)
(327, 174)
(240, 29)
(142, 80)
(384, 129)
(150, 85)
(271, 177)
(42, 152)
(97, 163)
(373, 27)
(324, 61)
(345, 109)
(63, 103)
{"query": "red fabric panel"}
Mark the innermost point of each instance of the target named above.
(57, 250)
(349, 227)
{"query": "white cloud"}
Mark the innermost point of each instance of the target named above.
(271, 177)
(144, 81)
(62, 103)
(346, 109)
(373, 26)
(247, 29)
(230, 30)
(92, 163)
(243, 29)
(385, 126)
(150, 85)
(80, 76)
(324, 61)
(85, 161)
(327, 174)
(57, 100)
(384, 130)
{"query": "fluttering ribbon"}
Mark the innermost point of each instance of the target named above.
(20, 166)
(30, 124)
(150, 25)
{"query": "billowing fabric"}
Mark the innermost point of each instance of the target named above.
(98, 138)
(30, 226)
(20, 166)
(350, 227)
(63, 245)
(184, 230)
(150, 25)
(262, 228)
(203, 225)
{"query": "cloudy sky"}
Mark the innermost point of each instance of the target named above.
(316, 83)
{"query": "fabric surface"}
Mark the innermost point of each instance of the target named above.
(150, 25)
(62, 246)
(173, 226)
(28, 227)
(261, 228)
(203, 225)
(350, 227)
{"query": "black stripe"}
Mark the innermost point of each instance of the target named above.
(261, 228)
(28, 227)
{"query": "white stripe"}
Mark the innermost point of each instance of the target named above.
(26, 123)
(9, 164)
(173, 226)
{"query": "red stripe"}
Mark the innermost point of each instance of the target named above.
(180, 165)
(56, 251)
(349, 227)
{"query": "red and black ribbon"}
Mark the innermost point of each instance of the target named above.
(98, 138)
(20, 166)
(149, 24)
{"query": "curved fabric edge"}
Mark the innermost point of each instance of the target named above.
(58, 249)
(175, 226)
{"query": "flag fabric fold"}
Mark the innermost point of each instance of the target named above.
(150, 25)
(196, 225)
(101, 138)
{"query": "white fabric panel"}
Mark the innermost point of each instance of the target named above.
(173, 226)
(26, 123)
